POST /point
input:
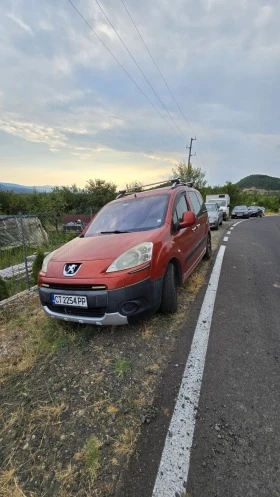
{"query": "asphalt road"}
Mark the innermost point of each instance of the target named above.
(236, 449)
(236, 445)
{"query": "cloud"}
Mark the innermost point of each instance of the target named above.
(20, 23)
(34, 133)
(171, 161)
(64, 99)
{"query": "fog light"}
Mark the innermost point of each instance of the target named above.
(129, 308)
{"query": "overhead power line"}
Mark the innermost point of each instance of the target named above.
(188, 124)
(154, 62)
(123, 68)
(140, 69)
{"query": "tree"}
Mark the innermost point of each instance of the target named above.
(183, 172)
(135, 186)
(99, 193)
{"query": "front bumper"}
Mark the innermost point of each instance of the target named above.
(213, 224)
(125, 305)
(241, 216)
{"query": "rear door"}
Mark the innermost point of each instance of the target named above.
(201, 231)
(183, 240)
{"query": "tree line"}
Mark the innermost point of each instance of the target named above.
(49, 206)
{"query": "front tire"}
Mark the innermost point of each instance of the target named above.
(169, 297)
(208, 252)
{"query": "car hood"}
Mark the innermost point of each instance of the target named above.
(102, 247)
(212, 215)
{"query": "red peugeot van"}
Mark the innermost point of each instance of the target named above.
(131, 259)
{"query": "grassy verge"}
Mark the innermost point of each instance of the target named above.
(73, 398)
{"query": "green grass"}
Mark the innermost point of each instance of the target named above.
(15, 285)
(122, 366)
(4, 290)
(40, 336)
(58, 238)
(92, 453)
(13, 255)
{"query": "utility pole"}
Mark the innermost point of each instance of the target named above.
(189, 159)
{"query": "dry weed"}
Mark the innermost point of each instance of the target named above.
(9, 486)
(195, 281)
(126, 441)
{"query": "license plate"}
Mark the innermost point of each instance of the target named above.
(240, 214)
(69, 300)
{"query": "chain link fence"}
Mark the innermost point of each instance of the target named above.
(21, 238)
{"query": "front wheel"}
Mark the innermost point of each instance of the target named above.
(208, 252)
(169, 298)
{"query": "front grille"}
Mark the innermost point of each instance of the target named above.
(81, 288)
(77, 311)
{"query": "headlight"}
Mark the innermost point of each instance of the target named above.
(133, 257)
(46, 261)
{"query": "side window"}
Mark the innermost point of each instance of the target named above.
(196, 205)
(202, 204)
(180, 207)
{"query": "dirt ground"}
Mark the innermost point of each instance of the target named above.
(73, 397)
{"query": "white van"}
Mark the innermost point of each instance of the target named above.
(223, 201)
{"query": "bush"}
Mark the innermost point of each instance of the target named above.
(37, 265)
(4, 291)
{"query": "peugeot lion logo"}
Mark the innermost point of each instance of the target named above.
(70, 269)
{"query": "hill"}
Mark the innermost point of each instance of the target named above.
(259, 182)
(24, 189)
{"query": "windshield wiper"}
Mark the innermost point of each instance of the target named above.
(115, 232)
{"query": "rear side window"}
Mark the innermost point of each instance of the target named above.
(195, 203)
(180, 207)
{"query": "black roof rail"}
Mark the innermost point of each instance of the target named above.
(121, 194)
(174, 182)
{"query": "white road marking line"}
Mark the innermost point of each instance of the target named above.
(225, 239)
(242, 221)
(232, 228)
(228, 232)
(175, 460)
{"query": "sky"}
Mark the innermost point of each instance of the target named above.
(69, 112)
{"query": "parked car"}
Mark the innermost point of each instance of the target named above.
(240, 211)
(263, 210)
(215, 215)
(130, 260)
(223, 201)
(255, 211)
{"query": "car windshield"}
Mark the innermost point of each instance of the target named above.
(211, 207)
(240, 207)
(133, 214)
(219, 202)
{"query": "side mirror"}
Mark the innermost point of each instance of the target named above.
(188, 220)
